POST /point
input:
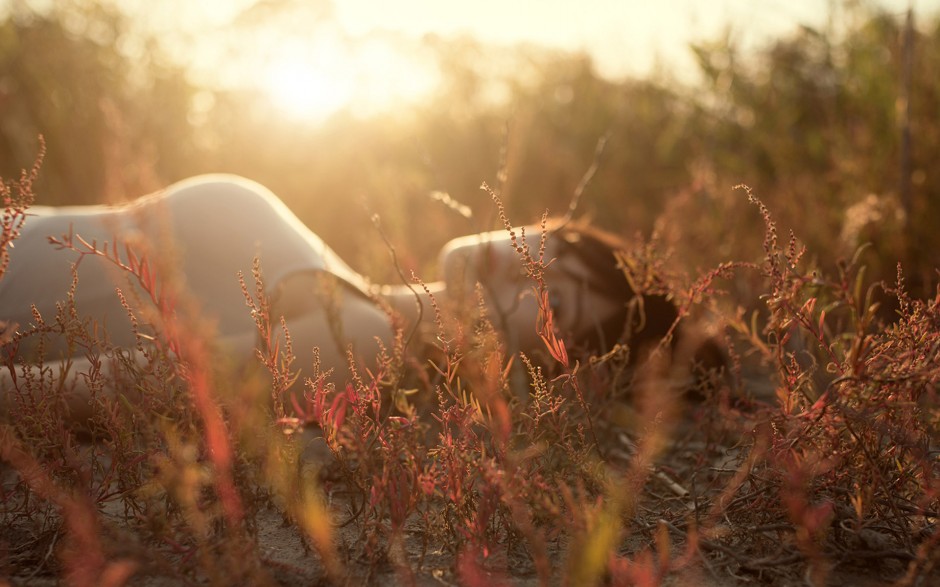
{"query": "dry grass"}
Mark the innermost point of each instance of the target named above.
(442, 471)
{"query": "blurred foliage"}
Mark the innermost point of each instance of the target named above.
(812, 122)
(114, 124)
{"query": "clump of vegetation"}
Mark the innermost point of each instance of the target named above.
(598, 474)
(842, 463)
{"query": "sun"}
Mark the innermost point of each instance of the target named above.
(309, 86)
(311, 80)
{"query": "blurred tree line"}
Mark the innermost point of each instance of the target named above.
(812, 122)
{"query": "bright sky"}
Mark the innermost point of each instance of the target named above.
(624, 36)
(310, 67)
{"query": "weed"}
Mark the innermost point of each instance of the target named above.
(602, 474)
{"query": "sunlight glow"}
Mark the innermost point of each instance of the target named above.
(303, 89)
(313, 79)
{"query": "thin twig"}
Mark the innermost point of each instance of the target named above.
(586, 179)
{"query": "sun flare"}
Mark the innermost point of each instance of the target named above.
(303, 89)
(311, 81)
